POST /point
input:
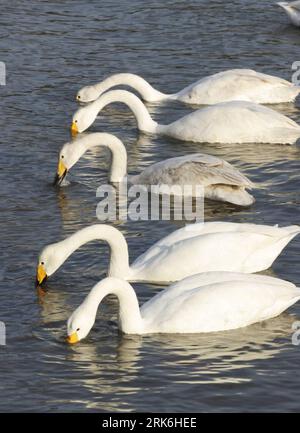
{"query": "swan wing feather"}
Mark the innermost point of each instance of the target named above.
(235, 121)
(233, 84)
(236, 251)
(222, 305)
(195, 169)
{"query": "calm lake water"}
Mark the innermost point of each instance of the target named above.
(51, 49)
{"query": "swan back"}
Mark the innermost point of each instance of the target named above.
(217, 302)
(195, 169)
(236, 85)
(234, 122)
(212, 247)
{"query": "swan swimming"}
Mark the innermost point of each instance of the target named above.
(209, 302)
(195, 248)
(234, 84)
(292, 10)
(221, 181)
(227, 122)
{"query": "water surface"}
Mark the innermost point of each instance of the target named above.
(51, 49)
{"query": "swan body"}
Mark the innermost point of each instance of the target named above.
(195, 248)
(292, 10)
(234, 84)
(227, 122)
(220, 180)
(209, 302)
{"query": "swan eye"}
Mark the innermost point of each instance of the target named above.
(78, 97)
(76, 121)
(42, 263)
(78, 329)
(62, 156)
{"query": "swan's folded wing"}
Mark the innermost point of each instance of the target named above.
(233, 122)
(248, 80)
(219, 306)
(193, 169)
(206, 170)
(233, 83)
(213, 174)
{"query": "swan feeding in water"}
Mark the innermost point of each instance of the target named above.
(220, 180)
(227, 122)
(292, 10)
(231, 85)
(195, 248)
(209, 302)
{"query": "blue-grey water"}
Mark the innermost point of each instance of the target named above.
(53, 48)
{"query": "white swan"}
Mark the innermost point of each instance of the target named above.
(228, 122)
(231, 85)
(195, 248)
(292, 10)
(208, 302)
(220, 180)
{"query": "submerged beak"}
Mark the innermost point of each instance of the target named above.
(61, 173)
(73, 338)
(40, 275)
(74, 129)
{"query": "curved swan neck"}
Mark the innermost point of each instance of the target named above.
(136, 82)
(143, 118)
(119, 258)
(118, 168)
(129, 311)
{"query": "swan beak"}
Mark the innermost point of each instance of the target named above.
(74, 129)
(40, 275)
(61, 173)
(73, 338)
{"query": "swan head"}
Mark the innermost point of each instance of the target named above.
(49, 261)
(87, 94)
(83, 118)
(69, 154)
(79, 324)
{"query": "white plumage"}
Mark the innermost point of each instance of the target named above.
(208, 302)
(195, 248)
(292, 10)
(220, 180)
(234, 84)
(227, 122)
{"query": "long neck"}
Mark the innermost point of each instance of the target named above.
(143, 118)
(119, 258)
(119, 155)
(129, 310)
(147, 92)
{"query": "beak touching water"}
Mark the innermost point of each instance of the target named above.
(40, 275)
(61, 173)
(73, 338)
(74, 129)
